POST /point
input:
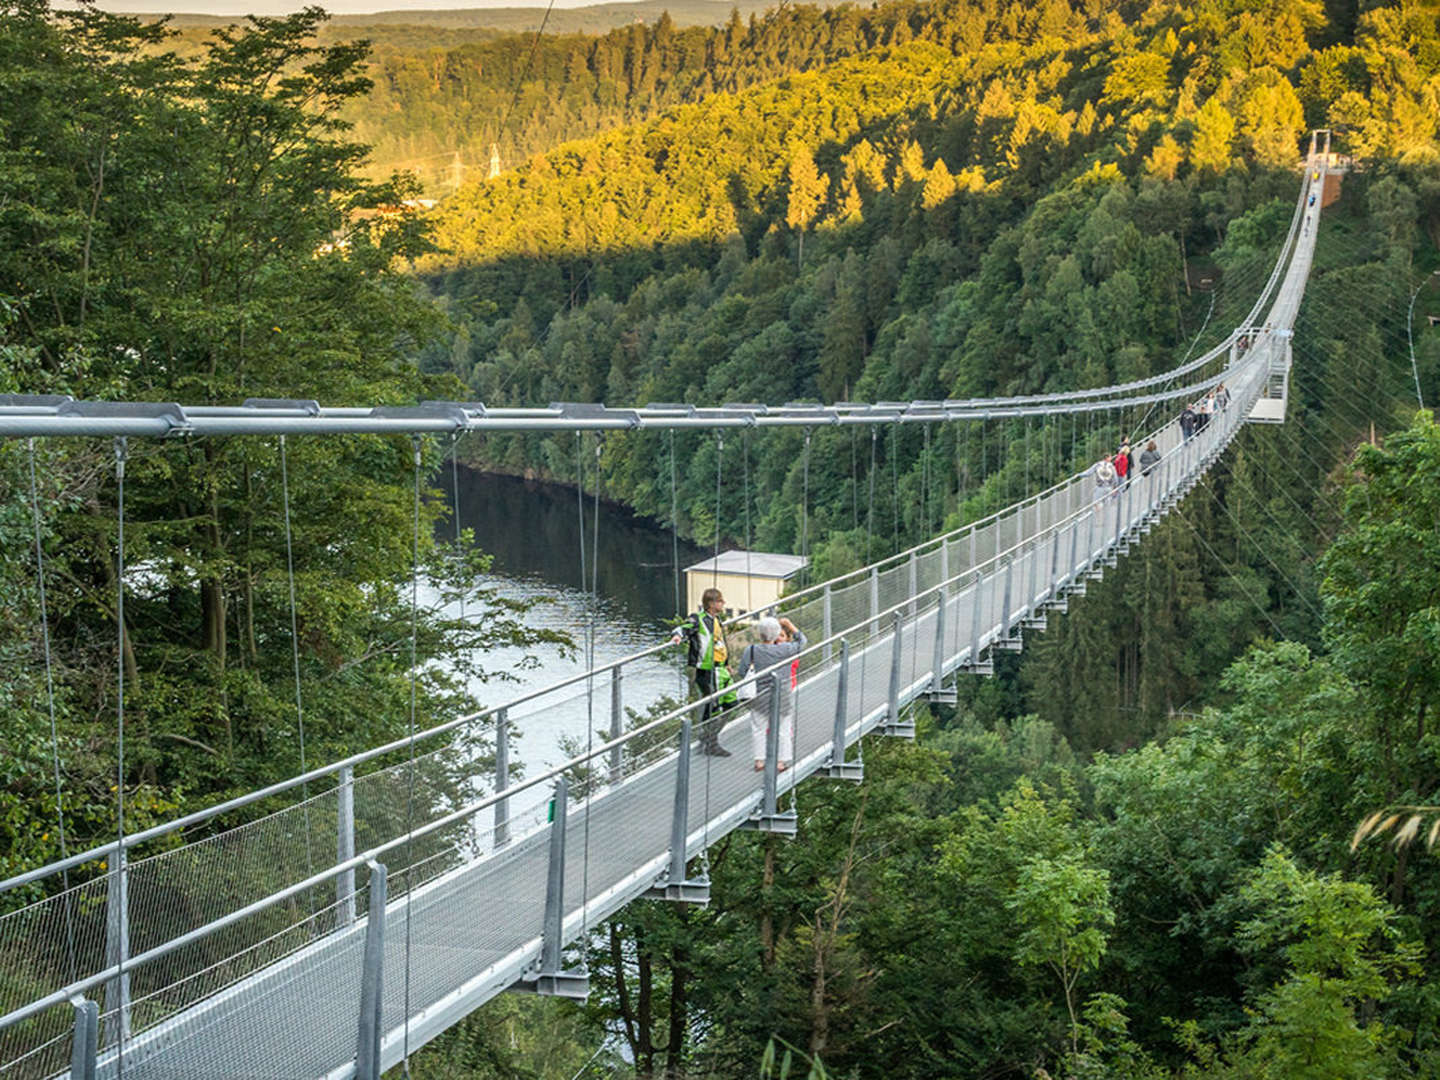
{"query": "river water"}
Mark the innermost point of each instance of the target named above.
(533, 532)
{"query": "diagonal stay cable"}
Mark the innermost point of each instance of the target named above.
(1210, 490)
(1226, 567)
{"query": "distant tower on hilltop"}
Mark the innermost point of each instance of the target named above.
(494, 162)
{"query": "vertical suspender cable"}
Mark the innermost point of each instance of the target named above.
(455, 503)
(870, 507)
(925, 486)
(805, 514)
(1026, 493)
(745, 485)
(122, 879)
(295, 660)
(590, 689)
(50, 702)
(675, 549)
(895, 488)
(854, 485)
(719, 458)
(674, 526)
(410, 792)
(984, 462)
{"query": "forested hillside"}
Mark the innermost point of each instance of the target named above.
(1077, 202)
(433, 106)
(927, 223)
(1126, 856)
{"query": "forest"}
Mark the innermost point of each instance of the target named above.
(1128, 854)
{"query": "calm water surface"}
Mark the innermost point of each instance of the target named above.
(533, 532)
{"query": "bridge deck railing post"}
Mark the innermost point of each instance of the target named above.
(345, 844)
(676, 884)
(679, 826)
(896, 660)
(914, 582)
(85, 1042)
(617, 722)
(874, 592)
(937, 662)
(117, 946)
(827, 619)
(1052, 592)
(975, 619)
(372, 974)
(502, 776)
(1005, 600)
(770, 796)
(837, 766)
(552, 923)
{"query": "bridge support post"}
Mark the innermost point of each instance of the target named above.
(827, 618)
(372, 974)
(1032, 601)
(937, 693)
(914, 582)
(1053, 596)
(837, 768)
(675, 885)
(1005, 641)
(345, 845)
(1071, 583)
(502, 776)
(769, 818)
(893, 726)
(976, 665)
(549, 979)
(117, 946)
(874, 592)
(85, 1042)
(617, 722)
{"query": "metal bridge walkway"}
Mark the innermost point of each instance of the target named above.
(330, 972)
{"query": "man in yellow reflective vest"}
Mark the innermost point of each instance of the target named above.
(708, 655)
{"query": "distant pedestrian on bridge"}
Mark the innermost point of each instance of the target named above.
(1188, 422)
(1103, 474)
(780, 640)
(704, 632)
(1124, 464)
(1149, 458)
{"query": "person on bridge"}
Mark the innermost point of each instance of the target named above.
(1122, 462)
(1149, 458)
(780, 640)
(1188, 422)
(1104, 476)
(705, 633)
(1222, 396)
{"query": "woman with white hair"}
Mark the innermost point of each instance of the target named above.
(767, 653)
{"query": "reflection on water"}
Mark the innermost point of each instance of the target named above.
(532, 530)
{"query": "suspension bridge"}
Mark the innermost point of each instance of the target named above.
(335, 936)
